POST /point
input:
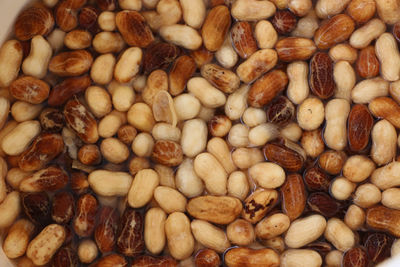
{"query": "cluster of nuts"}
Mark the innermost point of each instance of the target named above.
(265, 131)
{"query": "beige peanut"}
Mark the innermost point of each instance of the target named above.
(154, 232)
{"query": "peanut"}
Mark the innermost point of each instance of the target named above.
(108, 42)
(10, 62)
(209, 235)
(240, 232)
(236, 103)
(304, 231)
(300, 258)
(23, 111)
(10, 208)
(109, 183)
(355, 217)
(249, 10)
(194, 12)
(384, 142)
(154, 232)
(215, 181)
(143, 145)
(17, 239)
(103, 69)
(298, 88)
(387, 176)
(128, 65)
(238, 186)
(357, 168)
(17, 140)
(388, 55)
(326, 8)
(244, 158)
(310, 114)
(87, 251)
(266, 34)
(111, 123)
(169, 199)
(208, 95)
(253, 117)
(335, 134)
(240, 256)
(363, 36)
(307, 25)
(339, 234)
(179, 235)
(239, 135)
(187, 181)
(39, 57)
(343, 52)
(194, 137)
(98, 100)
(367, 195)
(390, 198)
(267, 174)
(46, 243)
(341, 188)
(226, 55)
(181, 35)
(345, 79)
(388, 10)
(272, 226)
(368, 89)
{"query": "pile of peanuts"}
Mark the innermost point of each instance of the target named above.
(242, 133)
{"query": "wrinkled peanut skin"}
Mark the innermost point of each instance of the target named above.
(384, 219)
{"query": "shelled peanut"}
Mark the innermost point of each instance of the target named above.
(243, 133)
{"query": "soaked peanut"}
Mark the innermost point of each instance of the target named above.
(240, 133)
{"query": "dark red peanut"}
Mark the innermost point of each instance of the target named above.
(167, 152)
(293, 196)
(284, 21)
(243, 39)
(378, 246)
(67, 88)
(45, 148)
(63, 207)
(267, 88)
(36, 207)
(280, 111)
(81, 121)
(52, 178)
(51, 120)
(367, 64)
(36, 20)
(159, 56)
(65, 257)
(29, 89)
(111, 260)
(321, 75)
(85, 216)
(130, 241)
(207, 258)
(106, 231)
(88, 18)
(316, 179)
(355, 257)
(149, 261)
(323, 203)
(360, 124)
(284, 156)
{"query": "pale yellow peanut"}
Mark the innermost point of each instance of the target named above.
(154, 232)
